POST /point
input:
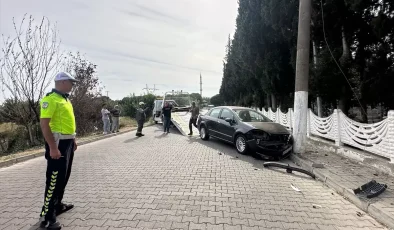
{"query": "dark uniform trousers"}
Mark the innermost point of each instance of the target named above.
(192, 121)
(57, 175)
(140, 126)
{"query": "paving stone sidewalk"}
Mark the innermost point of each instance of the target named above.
(344, 175)
(170, 181)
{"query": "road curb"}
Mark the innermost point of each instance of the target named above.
(34, 155)
(373, 209)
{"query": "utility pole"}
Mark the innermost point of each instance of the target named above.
(200, 85)
(149, 90)
(302, 77)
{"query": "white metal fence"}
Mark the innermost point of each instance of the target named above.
(377, 138)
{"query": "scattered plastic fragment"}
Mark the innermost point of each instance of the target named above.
(295, 188)
(316, 206)
(359, 214)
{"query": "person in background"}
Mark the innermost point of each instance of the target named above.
(115, 119)
(105, 117)
(193, 118)
(166, 111)
(140, 116)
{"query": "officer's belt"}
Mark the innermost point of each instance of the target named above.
(59, 136)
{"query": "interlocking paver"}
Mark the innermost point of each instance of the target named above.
(174, 182)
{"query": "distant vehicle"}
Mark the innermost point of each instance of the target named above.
(248, 130)
(157, 108)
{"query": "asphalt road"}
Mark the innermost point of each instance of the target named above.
(170, 181)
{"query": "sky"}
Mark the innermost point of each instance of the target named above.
(162, 43)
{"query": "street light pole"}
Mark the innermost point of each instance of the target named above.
(302, 77)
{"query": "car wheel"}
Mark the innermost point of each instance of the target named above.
(240, 144)
(203, 133)
(156, 122)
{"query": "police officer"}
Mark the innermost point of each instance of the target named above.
(141, 117)
(58, 128)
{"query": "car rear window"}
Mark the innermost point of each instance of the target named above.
(247, 115)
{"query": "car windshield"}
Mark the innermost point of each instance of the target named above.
(247, 115)
(179, 100)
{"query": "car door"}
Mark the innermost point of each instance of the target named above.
(225, 128)
(212, 120)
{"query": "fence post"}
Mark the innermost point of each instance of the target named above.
(290, 117)
(390, 135)
(337, 116)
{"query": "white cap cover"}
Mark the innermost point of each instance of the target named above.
(63, 76)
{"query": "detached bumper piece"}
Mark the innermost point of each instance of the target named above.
(370, 189)
(289, 169)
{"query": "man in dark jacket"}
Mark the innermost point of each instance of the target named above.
(195, 111)
(115, 119)
(166, 111)
(140, 116)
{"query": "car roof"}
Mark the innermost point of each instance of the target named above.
(233, 107)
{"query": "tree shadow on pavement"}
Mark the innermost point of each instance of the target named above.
(163, 135)
(131, 140)
(223, 148)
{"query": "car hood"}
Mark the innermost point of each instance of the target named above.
(269, 127)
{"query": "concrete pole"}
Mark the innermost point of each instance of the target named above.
(302, 77)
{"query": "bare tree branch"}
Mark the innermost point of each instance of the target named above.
(29, 62)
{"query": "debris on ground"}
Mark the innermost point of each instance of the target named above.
(316, 206)
(289, 168)
(295, 188)
(359, 214)
(220, 153)
(317, 165)
(370, 189)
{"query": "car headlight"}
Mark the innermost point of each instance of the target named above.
(265, 136)
(261, 135)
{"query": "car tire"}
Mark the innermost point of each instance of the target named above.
(241, 144)
(156, 122)
(204, 133)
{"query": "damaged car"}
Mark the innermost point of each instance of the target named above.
(248, 130)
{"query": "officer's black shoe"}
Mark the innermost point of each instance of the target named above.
(190, 134)
(61, 208)
(54, 226)
(142, 135)
(43, 224)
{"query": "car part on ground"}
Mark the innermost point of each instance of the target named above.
(289, 169)
(370, 189)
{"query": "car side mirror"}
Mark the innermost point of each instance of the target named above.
(229, 120)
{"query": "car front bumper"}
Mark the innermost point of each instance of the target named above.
(271, 149)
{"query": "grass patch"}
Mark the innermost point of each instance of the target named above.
(125, 124)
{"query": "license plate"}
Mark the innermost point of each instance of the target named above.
(287, 150)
